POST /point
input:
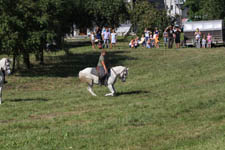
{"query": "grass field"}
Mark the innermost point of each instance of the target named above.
(172, 100)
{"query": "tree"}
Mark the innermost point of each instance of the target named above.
(146, 15)
(27, 25)
(108, 12)
(205, 9)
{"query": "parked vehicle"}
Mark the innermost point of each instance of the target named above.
(214, 27)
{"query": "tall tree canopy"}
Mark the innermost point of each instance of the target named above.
(145, 15)
(206, 9)
(107, 12)
(27, 25)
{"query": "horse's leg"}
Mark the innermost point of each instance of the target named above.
(0, 95)
(111, 89)
(90, 89)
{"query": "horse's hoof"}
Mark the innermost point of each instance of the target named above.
(109, 94)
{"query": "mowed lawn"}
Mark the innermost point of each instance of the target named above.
(172, 100)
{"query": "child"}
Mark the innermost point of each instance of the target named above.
(157, 41)
(131, 44)
(92, 37)
(165, 38)
(209, 41)
(136, 42)
(113, 38)
(146, 34)
(152, 40)
(142, 41)
(148, 44)
(156, 31)
(203, 41)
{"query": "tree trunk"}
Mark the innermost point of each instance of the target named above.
(26, 60)
(14, 63)
(41, 56)
(37, 56)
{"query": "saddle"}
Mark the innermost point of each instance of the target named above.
(102, 80)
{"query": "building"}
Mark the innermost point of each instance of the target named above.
(175, 8)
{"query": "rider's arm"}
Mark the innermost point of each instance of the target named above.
(103, 64)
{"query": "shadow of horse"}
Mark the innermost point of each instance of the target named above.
(132, 93)
(27, 99)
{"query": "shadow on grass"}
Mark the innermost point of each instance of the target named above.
(70, 65)
(27, 99)
(132, 93)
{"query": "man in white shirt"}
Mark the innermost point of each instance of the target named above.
(106, 37)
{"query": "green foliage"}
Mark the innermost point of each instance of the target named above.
(145, 15)
(108, 12)
(27, 25)
(205, 9)
(172, 100)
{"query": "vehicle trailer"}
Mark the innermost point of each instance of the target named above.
(214, 27)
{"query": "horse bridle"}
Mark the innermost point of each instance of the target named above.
(117, 74)
(114, 71)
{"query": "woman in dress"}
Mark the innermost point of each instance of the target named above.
(113, 38)
(92, 37)
(198, 38)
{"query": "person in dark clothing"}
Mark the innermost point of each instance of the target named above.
(177, 32)
(170, 32)
(101, 68)
(99, 37)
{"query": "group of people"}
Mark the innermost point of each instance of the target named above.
(205, 41)
(149, 39)
(170, 35)
(103, 38)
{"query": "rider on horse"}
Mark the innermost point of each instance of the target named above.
(102, 69)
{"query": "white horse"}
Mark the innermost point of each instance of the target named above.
(118, 71)
(4, 70)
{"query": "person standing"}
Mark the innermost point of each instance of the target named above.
(198, 38)
(157, 41)
(99, 37)
(113, 38)
(177, 32)
(151, 39)
(165, 38)
(101, 68)
(209, 41)
(106, 37)
(92, 38)
(147, 34)
(203, 42)
(169, 30)
(156, 31)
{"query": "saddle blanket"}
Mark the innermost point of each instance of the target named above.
(94, 72)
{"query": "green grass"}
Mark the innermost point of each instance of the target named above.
(172, 100)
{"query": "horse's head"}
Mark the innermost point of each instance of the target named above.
(123, 75)
(5, 65)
